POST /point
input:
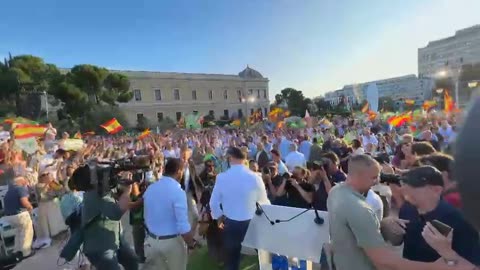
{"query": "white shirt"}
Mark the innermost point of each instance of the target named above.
(169, 153)
(358, 151)
(294, 159)
(370, 139)
(165, 208)
(237, 190)
(375, 203)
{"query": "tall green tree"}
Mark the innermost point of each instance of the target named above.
(297, 104)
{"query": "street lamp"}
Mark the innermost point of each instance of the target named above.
(472, 84)
(439, 91)
(455, 73)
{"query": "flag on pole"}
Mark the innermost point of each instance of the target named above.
(112, 126)
(23, 131)
(144, 134)
(365, 108)
(429, 104)
(77, 135)
(307, 114)
(449, 104)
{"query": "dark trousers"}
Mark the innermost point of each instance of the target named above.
(138, 233)
(234, 233)
(110, 259)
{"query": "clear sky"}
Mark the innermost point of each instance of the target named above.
(311, 45)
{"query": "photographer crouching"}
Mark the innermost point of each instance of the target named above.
(103, 243)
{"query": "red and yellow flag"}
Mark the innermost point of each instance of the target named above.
(410, 102)
(23, 131)
(429, 104)
(365, 108)
(400, 119)
(77, 135)
(144, 134)
(449, 104)
(88, 133)
(112, 126)
(372, 115)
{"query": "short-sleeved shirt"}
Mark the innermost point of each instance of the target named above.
(295, 199)
(12, 199)
(353, 228)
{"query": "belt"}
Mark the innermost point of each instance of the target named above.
(163, 237)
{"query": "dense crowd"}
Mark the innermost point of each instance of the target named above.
(410, 187)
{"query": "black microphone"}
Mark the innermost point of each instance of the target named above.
(318, 220)
(259, 211)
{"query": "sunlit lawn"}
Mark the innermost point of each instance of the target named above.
(201, 261)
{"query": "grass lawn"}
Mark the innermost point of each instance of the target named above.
(201, 261)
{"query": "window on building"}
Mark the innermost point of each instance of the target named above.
(266, 112)
(264, 93)
(158, 94)
(258, 93)
(250, 92)
(225, 94)
(225, 113)
(137, 94)
(176, 94)
(240, 113)
(159, 117)
(194, 94)
(210, 94)
(139, 116)
(239, 94)
(179, 116)
(211, 112)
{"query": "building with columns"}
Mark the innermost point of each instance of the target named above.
(158, 95)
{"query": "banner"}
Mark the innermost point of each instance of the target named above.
(29, 145)
(73, 144)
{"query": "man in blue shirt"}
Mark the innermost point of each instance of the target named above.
(422, 188)
(17, 208)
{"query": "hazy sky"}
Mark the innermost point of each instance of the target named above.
(312, 45)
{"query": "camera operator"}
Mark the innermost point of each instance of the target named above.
(298, 190)
(334, 172)
(272, 180)
(103, 244)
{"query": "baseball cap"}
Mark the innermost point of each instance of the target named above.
(423, 176)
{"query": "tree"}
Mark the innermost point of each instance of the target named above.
(209, 117)
(98, 115)
(323, 106)
(117, 89)
(297, 104)
(143, 123)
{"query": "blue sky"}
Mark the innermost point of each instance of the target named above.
(312, 45)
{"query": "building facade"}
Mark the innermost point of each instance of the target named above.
(162, 95)
(447, 55)
(397, 88)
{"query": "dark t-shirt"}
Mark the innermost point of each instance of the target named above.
(295, 199)
(281, 200)
(338, 177)
(465, 238)
(12, 199)
(320, 198)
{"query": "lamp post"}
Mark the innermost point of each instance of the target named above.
(455, 74)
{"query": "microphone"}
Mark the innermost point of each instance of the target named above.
(259, 211)
(318, 220)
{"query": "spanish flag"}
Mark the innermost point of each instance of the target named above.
(410, 102)
(77, 135)
(396, 121)
(449, 104)
(144, 134)
(429, 104)
(365, 108)
(112, 126)
(88, 133)
(23, 131)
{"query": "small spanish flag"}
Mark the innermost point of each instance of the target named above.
(429, 104)
(410, 102)
(112, 126)
(23, 131)
(365, 108)
(88, 133)
(400, 120)
(144, 134)
(77, 135)
(449, 104)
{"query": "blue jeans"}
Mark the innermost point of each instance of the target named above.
(234, 233)
(110, 259)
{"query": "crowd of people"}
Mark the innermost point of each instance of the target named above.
(381, 185)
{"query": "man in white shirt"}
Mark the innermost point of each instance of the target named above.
(446, 131)
(369, 138)
(294, 158)
(166, 221)
(233, 203)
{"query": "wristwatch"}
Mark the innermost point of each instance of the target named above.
(450, 262)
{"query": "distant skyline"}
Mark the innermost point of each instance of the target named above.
(312, 45)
